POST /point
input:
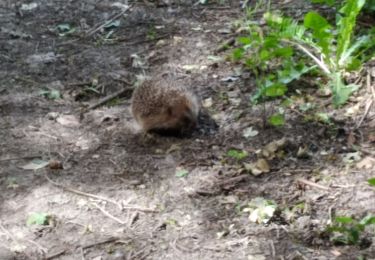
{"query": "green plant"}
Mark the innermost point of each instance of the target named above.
(237, 154)
(51, 94)
(371, 181)
(38, 219)
(285, 50)
(348, 231)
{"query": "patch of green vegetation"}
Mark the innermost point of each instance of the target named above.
(371, 181)
(237, 154)
(348, 231)
(52, 94)
(285, 50)
(40, 219)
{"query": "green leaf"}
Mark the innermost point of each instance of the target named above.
(65, 29)
(51, 94)
(261, 210)
(236, 154)
(112, 25)
(353, 236)
(346, 57)
(292, 72)
(285, 52)
(271, 42)
(327, 2)
(181, 173)
(275, 90)
(371, 181)
(37, 219)
(323, 117)
(244, 40)
(344, 220)
(368, 220)
(238, 54)
(321, 31)
(265, 55)
(346, 26)
(340, 91)
(276, 120)
(315, 21)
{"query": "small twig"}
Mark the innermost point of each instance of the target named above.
(105, 241)
(41, 249)
(272, 245)
(133, 218)
(369, 104)
(79, 84)
(148, 40)
(109, 215)
(101, 26)
(313, 184)
(225, 45)
(15, 240)
(234, 179)
(83, 193)
(140, 209)
(107, 98)
(372, 88)
(58, 253)
(7, 233)
(20, 158)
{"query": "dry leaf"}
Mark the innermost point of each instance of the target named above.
(207, 102)
(269, 150)
(68, 121)
(257, 168)
(366, 163)
(35, 164)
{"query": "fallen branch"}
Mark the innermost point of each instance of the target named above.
(51, 256)
(313, 184)
(234, 179)
(83, 193)
(109, 215)
(105, 241)
(107, 98)
(140, 209)
(106, 23)
(20, 158)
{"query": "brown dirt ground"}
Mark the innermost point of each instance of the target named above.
(149, 212)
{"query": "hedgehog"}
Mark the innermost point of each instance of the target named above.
(164, 107)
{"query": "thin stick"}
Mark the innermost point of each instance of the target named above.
(234, 179)
(107, 98)
(109, 215)
(59, 253)
(367, 109)
(41, 249)
(108, 240)
(83, 193)
(313, 184)
(141, 209)
(20, 158)
(369, 103)
(6, 232)
(92, 31)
